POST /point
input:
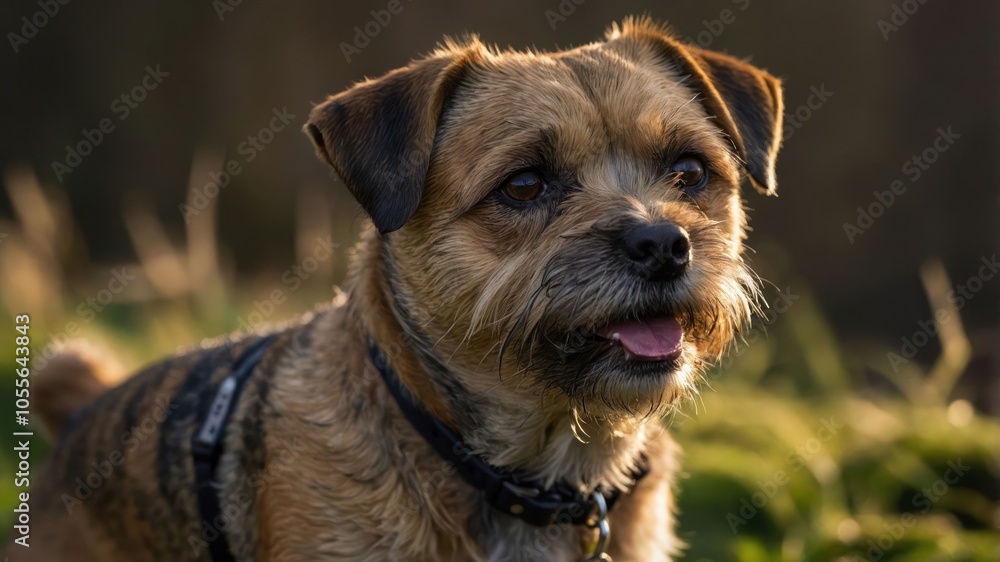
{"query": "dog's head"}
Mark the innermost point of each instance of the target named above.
(572, 219)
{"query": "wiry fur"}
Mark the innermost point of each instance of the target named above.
(486, 313)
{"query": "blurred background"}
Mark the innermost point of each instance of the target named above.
(157, 190)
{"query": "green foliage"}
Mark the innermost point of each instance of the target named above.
(790, 457)
(787, 456)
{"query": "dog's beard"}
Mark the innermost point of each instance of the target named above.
(553, 338)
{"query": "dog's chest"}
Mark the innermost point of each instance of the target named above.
(504, 539)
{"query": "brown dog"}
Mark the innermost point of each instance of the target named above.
(557, 258)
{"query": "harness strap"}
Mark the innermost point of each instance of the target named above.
(206, 443)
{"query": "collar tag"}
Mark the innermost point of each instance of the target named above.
(595, 545)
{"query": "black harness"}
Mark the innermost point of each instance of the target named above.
(206, 443)
(510, 492)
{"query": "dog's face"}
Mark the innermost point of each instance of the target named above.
(571, 220)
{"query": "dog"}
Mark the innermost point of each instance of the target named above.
(554, 259)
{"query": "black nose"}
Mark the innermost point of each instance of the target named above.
(661, 251)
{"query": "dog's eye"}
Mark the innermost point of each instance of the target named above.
(524, 186)
(690, 172)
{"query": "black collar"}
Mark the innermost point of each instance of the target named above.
(510, 492)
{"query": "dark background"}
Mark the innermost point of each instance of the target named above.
(827, 359)
(939, 69)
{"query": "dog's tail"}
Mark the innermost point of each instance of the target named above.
(69, 381)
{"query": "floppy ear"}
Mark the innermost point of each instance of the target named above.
(378, 135)
(756, 107)
(746, 101)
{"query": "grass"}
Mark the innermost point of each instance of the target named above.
(789, 455)
(786, 463)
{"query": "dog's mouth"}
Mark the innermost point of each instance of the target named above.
(651, 339)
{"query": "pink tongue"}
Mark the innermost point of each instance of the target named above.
(654, 339)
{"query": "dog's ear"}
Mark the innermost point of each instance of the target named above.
(755, 104)
(378, 135)
(746, 101)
